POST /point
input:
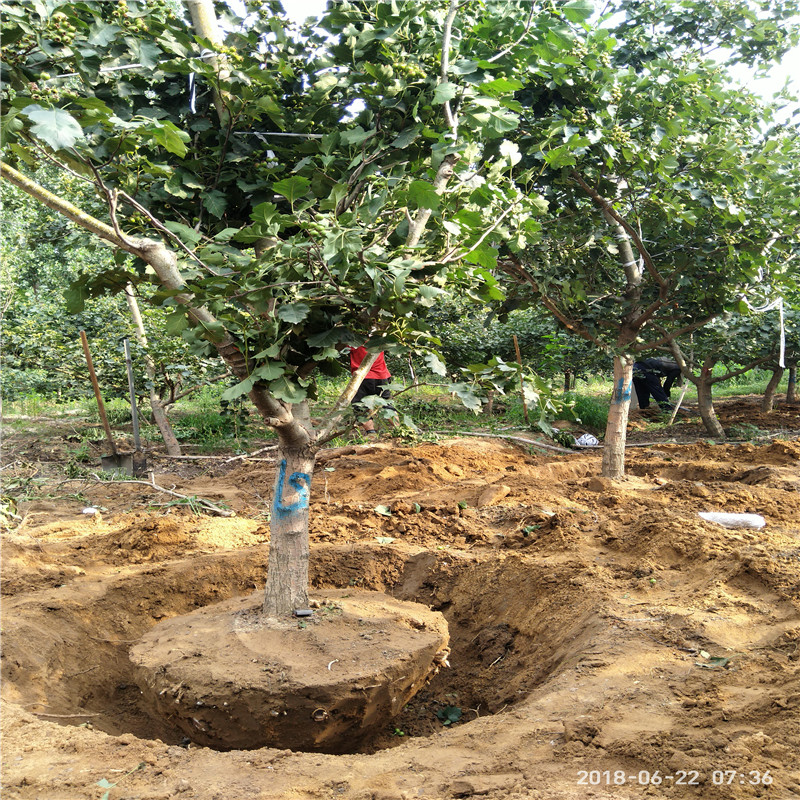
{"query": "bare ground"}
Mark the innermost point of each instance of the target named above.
(603, 635)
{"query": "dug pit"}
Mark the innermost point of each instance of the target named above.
(194, 661)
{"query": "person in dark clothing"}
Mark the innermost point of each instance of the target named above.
(647, 375)
(373, 384)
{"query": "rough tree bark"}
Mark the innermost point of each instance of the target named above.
(613, 464)
(705, 404)
(768, 401)
(287, 575)
(791, 386)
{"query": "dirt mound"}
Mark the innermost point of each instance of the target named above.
(603, 634)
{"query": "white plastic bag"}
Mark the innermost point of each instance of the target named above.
(734, 520)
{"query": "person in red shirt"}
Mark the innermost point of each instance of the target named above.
(372, 385)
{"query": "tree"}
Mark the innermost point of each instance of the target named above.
(286, 191)
(670, 189)
(739, 342)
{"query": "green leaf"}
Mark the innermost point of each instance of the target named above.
(467, 396)
(405, 138)
(176, 322)
(384, 511)
(214, 331)
(186, 234)
(268, 372)
(445, 91)
(293, 312)
(264, 213)
(105, 784)
(325, 339)
(449, 714)
(273, 351)
(76, 296)
(240, 389)
(285, 390)
(175, 187)
(215, 202)
(485, 255)
(421, 194)
(54, 127)
(101, 35)
(577, 10)
(356, 135)
(170, 137)
(292, 188)
(494, 123)
(500, 86)
(435, 364)
(146, 53)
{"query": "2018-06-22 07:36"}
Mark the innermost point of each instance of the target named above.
(687, 777)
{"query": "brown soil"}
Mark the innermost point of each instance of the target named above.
(601, 631)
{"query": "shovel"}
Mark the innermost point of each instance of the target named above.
(116, 461)
(139, 459)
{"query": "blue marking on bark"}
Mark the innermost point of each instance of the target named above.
(622, 393)
(300, 482)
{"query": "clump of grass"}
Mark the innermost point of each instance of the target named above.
(588, 411)
(746, 431)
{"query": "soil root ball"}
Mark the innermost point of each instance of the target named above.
(231, 678)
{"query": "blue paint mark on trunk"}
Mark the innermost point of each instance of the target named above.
(300, 482)
(622, 393)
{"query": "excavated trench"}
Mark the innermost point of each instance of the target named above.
(505, 616)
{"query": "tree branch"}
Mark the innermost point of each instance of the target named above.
(451, 119)
(508, 49)
(669, 337)
(516, 270)
(728, 375)
(629, 229)
(443, 175)
(166, 231)
(63, 207)
(452, 256)
(334, 416)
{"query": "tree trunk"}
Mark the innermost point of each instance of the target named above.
(705, 404)
(287, 571)
(791, 387)
(617, 427)
(768, 401)
(159, 414)
(567, 380)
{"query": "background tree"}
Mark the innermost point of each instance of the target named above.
(666, 184)
(740, 342)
